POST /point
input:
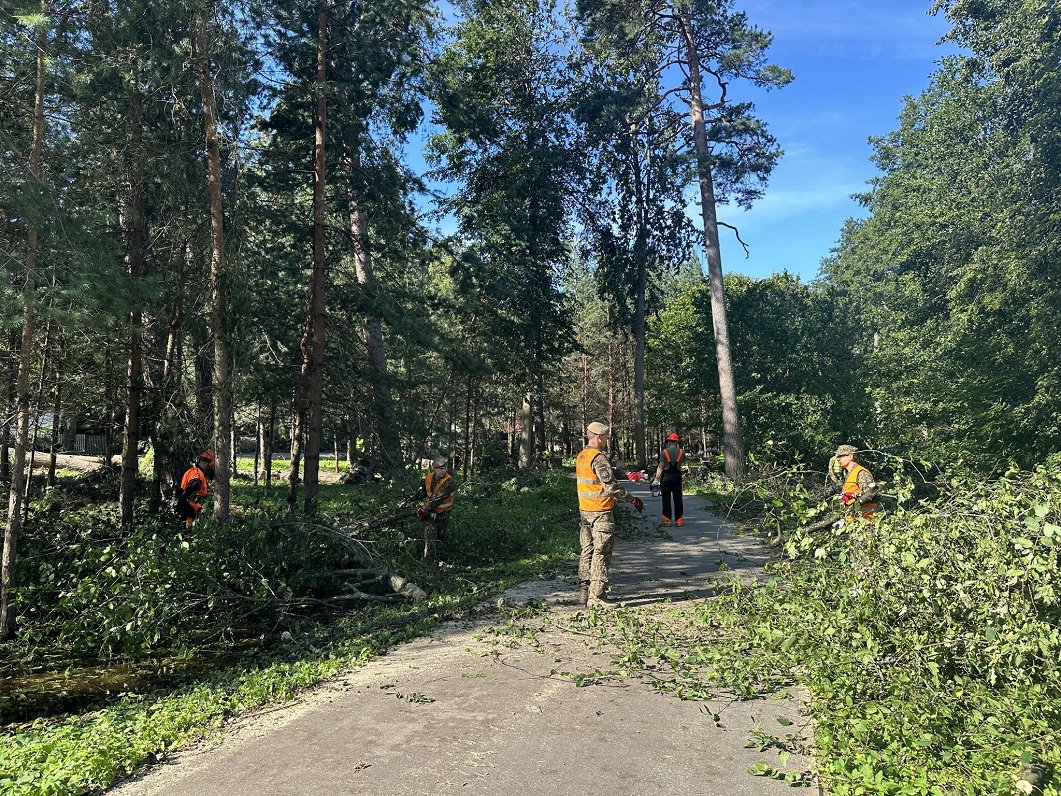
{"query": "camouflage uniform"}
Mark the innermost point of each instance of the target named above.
(597, 532)
(858, 489)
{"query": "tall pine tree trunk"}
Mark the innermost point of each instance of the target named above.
(135, 370)
(13, 527)
(221, 381)
(311, 379)
(382, 404)
(732, 441)
(640, 286)
(36, 416)
(526, 440)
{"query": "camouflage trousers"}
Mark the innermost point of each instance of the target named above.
(596, 535)
(434, 532)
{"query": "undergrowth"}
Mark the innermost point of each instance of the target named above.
(96, 594)
(929, 642)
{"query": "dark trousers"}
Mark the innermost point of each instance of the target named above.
(671, 491)
(186, 511)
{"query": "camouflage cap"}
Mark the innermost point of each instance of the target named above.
(846, 450)
(596, 429)
(439, 461)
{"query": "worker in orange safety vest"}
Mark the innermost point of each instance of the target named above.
(193, 488)
(669, 478)
(436, 495)
(858, 492)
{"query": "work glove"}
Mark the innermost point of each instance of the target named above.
(847, 498)
(639, 504)
(421, 513)
(635, 476)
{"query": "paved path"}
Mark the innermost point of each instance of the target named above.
(444, 714)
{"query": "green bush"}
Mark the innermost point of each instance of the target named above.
(929, 641)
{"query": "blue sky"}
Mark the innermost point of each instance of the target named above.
(854, 62)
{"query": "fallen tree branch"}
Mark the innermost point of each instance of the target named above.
(398, 584)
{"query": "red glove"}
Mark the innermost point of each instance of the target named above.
(847, 498)
(639, 504)
(421, 512)
(635, 476)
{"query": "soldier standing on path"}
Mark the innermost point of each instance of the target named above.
(858, 492)
(436, 494)
(597, 491)
(669, 477)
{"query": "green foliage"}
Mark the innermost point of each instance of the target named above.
(800, 387)
(929, 641)
(953, 270)
(96, 590)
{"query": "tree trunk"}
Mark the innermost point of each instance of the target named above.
(641, 254)
(540, 441)
(382, 403)
(473, 455)
(267, 444)
(639, 363)
(467, 430)
(13, 526)
(311, 379)
(35, 413)
(585, 392)
(257, 443)
(136, 241)
(526, 453)
(10, 403)
(733, 444)
(57, 406)
(611, 386)
(351, 438)
(221, 382)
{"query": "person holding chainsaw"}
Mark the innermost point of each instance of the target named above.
(436, 502)
(669, 479)
(598, 490)
(858, 492)
(193, 488)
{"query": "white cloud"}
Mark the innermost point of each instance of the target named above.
(806, 182)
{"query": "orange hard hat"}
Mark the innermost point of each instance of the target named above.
(209, 455)
(672, 437)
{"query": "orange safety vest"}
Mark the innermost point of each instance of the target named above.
(433, 489)
(851, 485)
(590, 489)
(190, 475)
